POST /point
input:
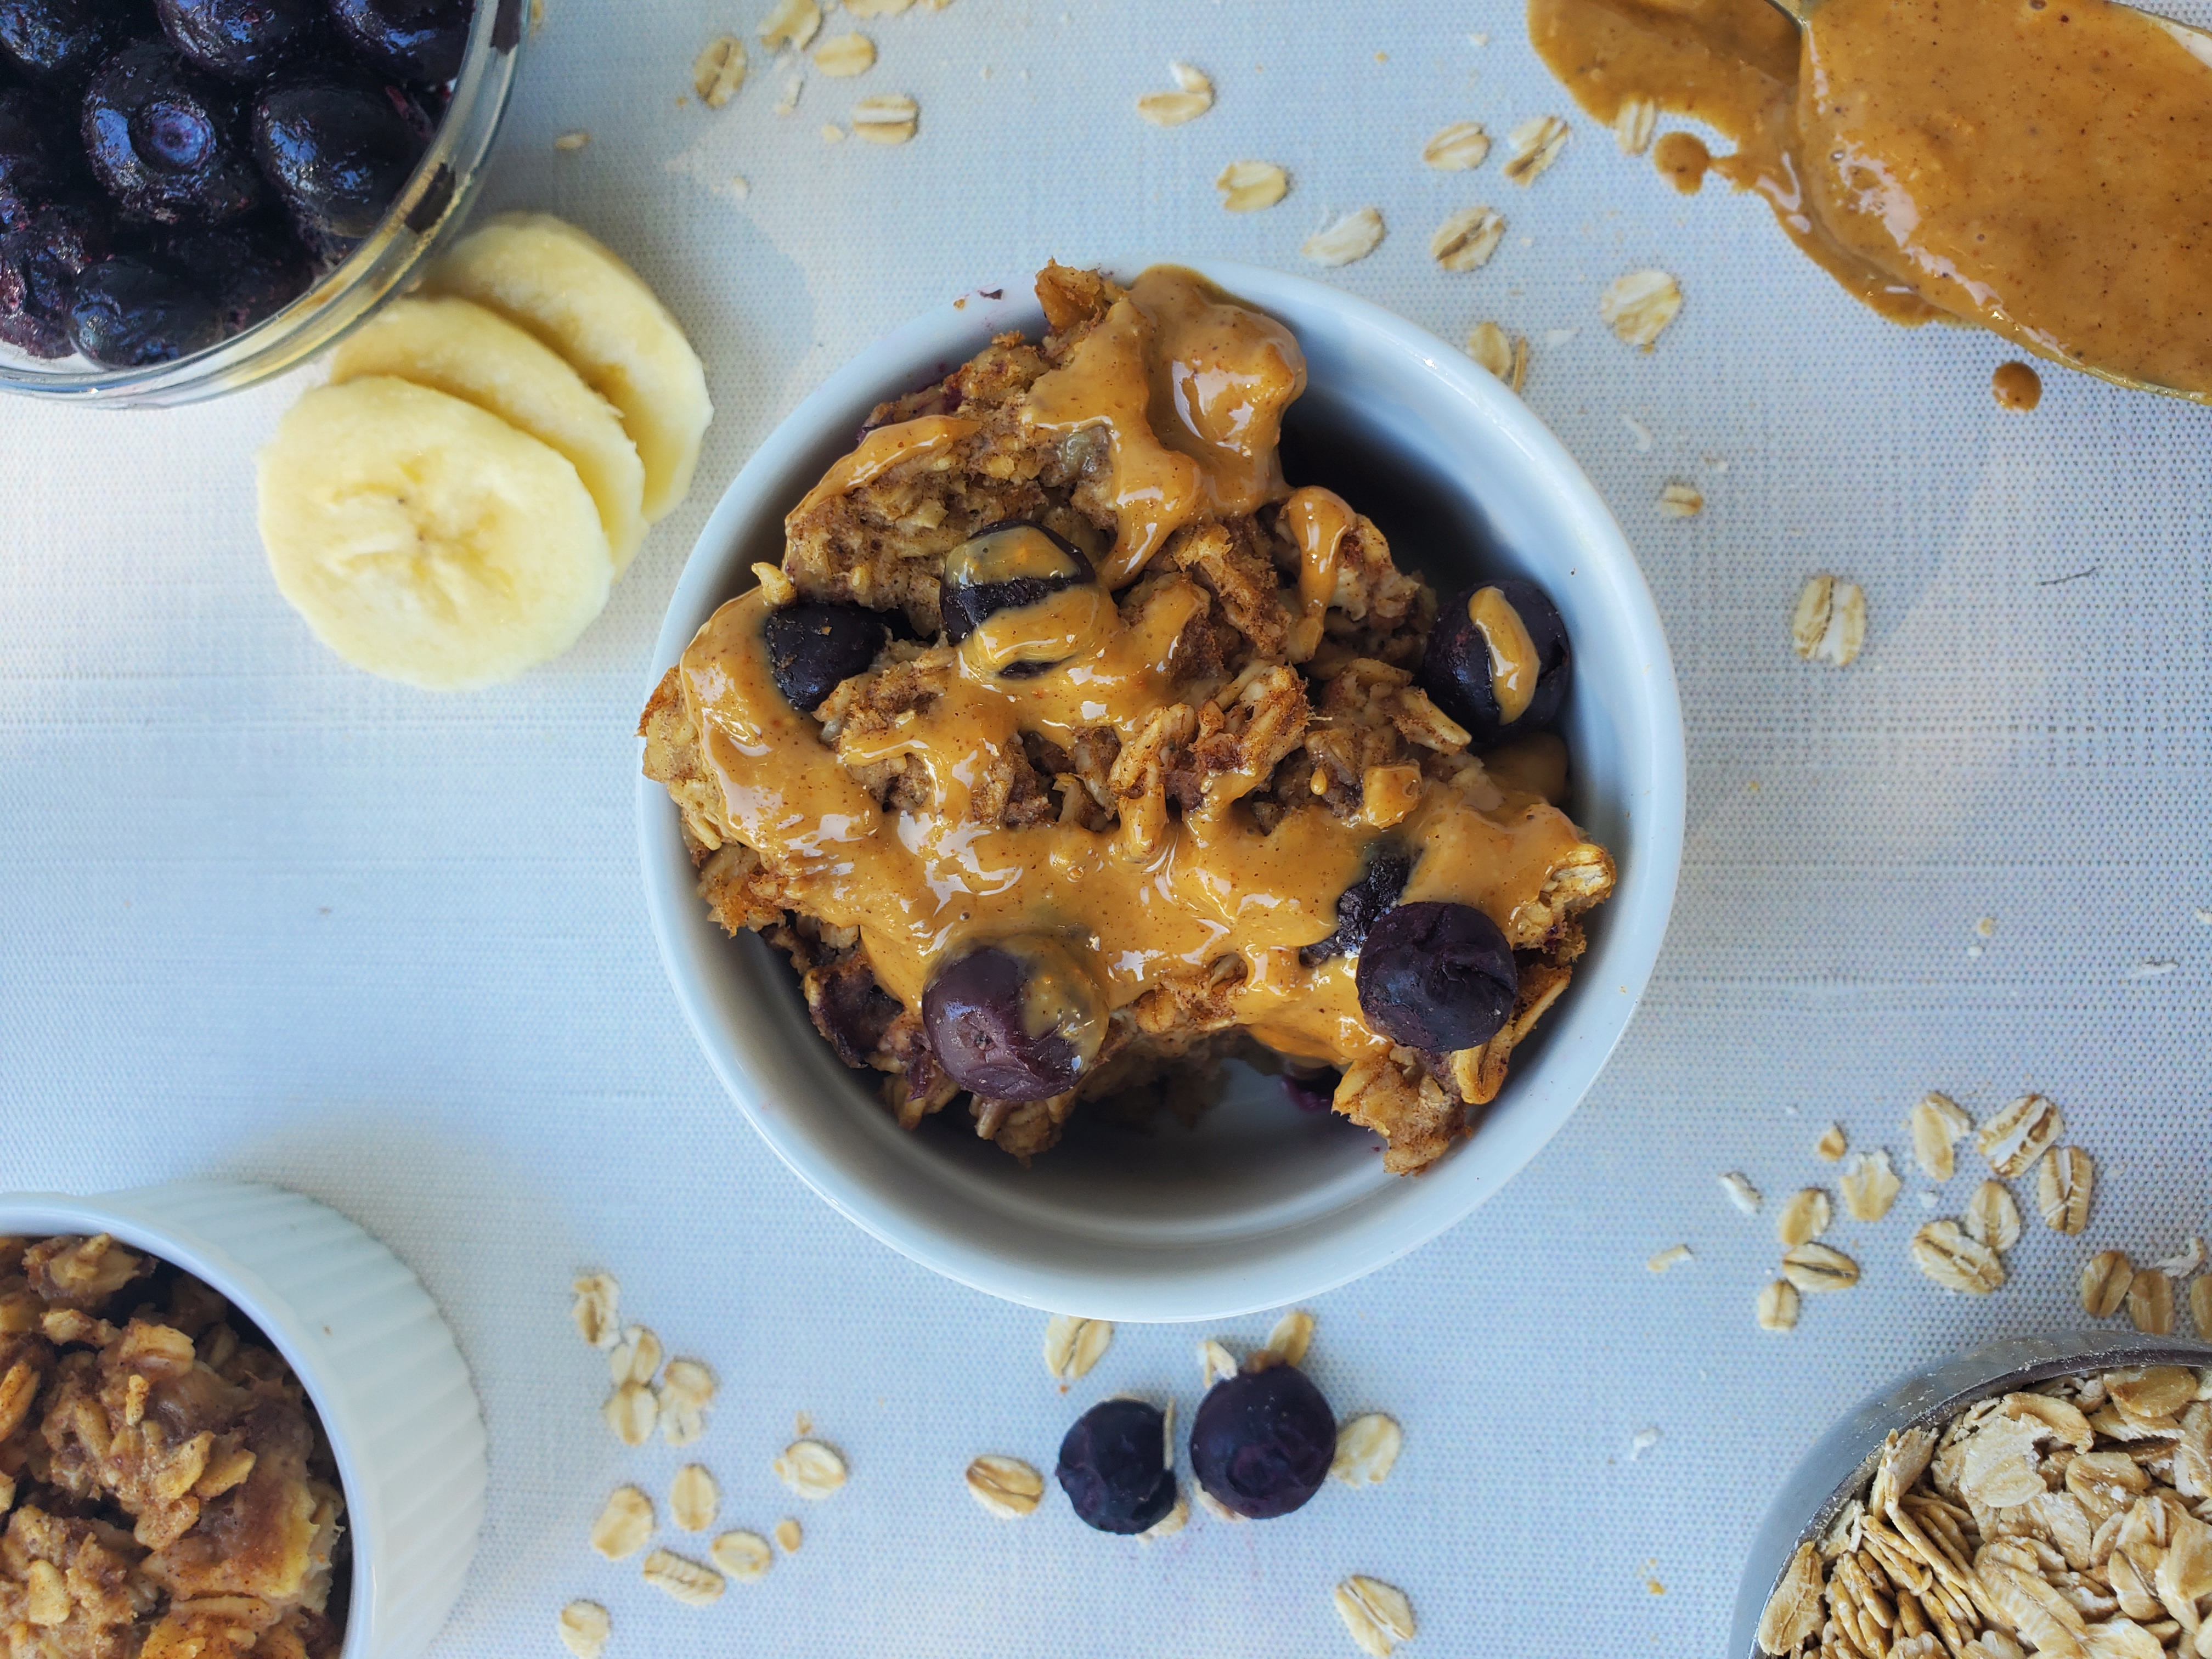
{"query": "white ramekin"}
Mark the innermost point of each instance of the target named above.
(371, 1348)
(1250, 1210)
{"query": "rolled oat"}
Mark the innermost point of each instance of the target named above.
(843, 55)
(686, 1580)
(598, 1300)
(625, 1525)
(1366, 1451)
(1346, 240)
(1776, 1309)
(1377, 1615)
(1829, 623)
(631, 1411)
(792, 23)
(2014, 1137)
(1288, 1342)
(744, 1556)
(2106, 1277)
(583, 1628)
(1250, 186)
(1007, 1487)
(1638, 304)
(1819, 1267)
(1466, 241)
(719, 71)
(889, 118)
(1938, 1124)
(693, 1498)
(1537, 142)
(789, 1535)
(2150, 1302)
(811, 1469)
(2064, 1182)
(1992, 1217)
(1073, 1345)
(1458, 147)
(1944, 1251)
(1804, 1218)
(1868, 1185)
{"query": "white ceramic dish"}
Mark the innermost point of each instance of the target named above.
(373, 1353)
(1258, 1207)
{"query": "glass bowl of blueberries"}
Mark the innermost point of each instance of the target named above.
(198, 194)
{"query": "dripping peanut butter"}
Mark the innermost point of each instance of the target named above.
(1145, 754)
(2038, 167)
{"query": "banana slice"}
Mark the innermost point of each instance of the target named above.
(425, 540)
(465, 352)
(579, 298)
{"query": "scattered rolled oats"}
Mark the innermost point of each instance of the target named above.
(1366, 1451)
(1536, 144)
(1351, 238)
(1937, 1125)
(744, 1556)
(1944, 1252)
(631, 1411)
(1458, 147)
(811, 1469)
(1829, 624)
(635, 1359)
(1673, 1257)
(1249, 186)
(1741, 1193)
(598, 1300)
(1007, 1487)
(624, 1524)
(2106, 1277)
(1634, 123)
(2150, 1302)
(1192, 99)
(2200, 1305)
(1681, 501)
(1466, 241)
(2184, 1261)
(1506, 358)
(1215, 1363)
(1073, 1345)
(831, 133)
(584, 1628)
(889, 118)
(1819, 1267)
(789, 1535)
(2064, 1182)
(1992, 1217)
(719, 71)
(686, 1389)
(688, 1581)
(570, 141)
(2016, 1136)
(1792, 1616)
(792, 86)
(693, 1498)
(1638, 304)
(1868, 1185)
(1287, 1343)
(793, 24)
(1805, 1216)
(843, 55)
(1777, 1306)
(1377, 1615)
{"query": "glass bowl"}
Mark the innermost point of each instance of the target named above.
(435, 197)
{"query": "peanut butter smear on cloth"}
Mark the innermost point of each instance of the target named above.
(2042, 168)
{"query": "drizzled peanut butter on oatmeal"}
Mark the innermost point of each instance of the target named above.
(1172, 759)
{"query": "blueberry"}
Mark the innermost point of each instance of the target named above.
(1357, 905)
(1438, 977)
(164, 140)
(63, 40)
(39, 264)
(250, 270)
(241, 39)
(336, 150)
(419, 41)
(37, 162)
(129, 312)
(1311, 1091)
(1020, 1019)
(1002, 569)
(1262, 1442)
(812, 649)
(1472, 669)
(1114, 1466)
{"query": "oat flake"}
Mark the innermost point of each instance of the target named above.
(1351, 237)
(1819, 1267)
(811, 1469)
(1937, 1126)
(1506, 358)
(1777, 1308)
(1366, 1451)
(1007, 1487)
(1832, 1145)
(624, 1524)
(1804, 1218)
(1829, 623)
(1741, 1193)
(877, 8)
(1992, 1217)
(636, 1358)
(744, 1556)
(1251, 186)
(789, 1535)
(889, 118)
(584, 1628)
(719, 71)
(1377, 1615)
(843, 55)
(1638, 304)
(1215, 1363)
(688, 1581)
(1458, 147)
(1292, 1335)
(1868, 1185)
(1673, 1257)
(2014, 1137)
(693, 1498)
(793, 24)
(2150, 1302)
(631, 1412)
(1633, 125)
(2200, 1305)
(1466, 241)
(1537, 143)
(1942, 1250)
(1072, 1346)
(598, 1299)
(2104, 1280)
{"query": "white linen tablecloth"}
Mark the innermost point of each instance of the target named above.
(268, 916)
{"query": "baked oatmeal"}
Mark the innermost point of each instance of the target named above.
(167, 1491)
(1069, 750)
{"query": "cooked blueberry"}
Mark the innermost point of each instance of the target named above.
(37, 162)
(39, 264)
(61, 41)
(337, 150)
(163, 139)
(1018, 1020)
(1439, 977)
(1262, 1442)
(251, 270)
(1357, 905)
(1114, 1466)
(1312, 1091)
(1002, 569)
(812, 649)
(241, 39)
(129, 312)
(1498, 659)
(416, 41)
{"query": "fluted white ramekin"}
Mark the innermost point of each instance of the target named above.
(372, 1350)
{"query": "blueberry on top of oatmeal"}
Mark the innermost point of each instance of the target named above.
(1438, 977)
(1263, 1441)
(1114, 1466)
(1130, 700)
(812, 649)
(1497, 660)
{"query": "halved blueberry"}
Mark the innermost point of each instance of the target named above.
(1499, 661)
(814, 648)
(1435, 976)
(1114, 1466)
(1262, 1442)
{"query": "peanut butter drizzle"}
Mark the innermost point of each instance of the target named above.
(1513, 662)
(882, 450)
(1316, 520)
(919, 882)
(1191, 389)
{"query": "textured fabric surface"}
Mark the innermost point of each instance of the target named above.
(266, 916)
